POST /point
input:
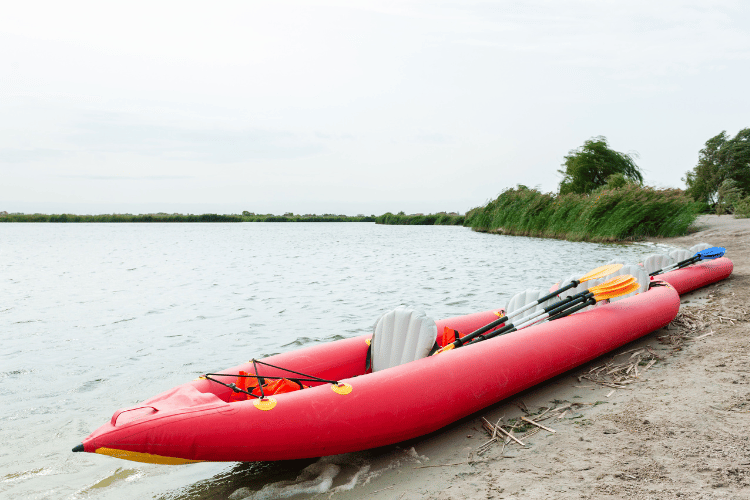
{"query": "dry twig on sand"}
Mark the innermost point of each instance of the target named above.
(685, 326)
(619, 375)
(493, 431)
(496, 430)
(691, 321)
(532, 422)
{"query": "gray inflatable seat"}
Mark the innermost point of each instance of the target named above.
(526, 297)
(572, 291)
(698, 247)
(681, 254)
(401, 336)
(657, 261)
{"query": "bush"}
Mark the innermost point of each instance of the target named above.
(729, 195)
(742, 209)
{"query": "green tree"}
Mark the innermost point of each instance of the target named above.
(723, 158)
(591, 165)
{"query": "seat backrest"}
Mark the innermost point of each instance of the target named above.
(401, 336)
(572, 291)
(681, 254)
(657, 261)
(700, 246)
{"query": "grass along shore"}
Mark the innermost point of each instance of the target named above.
(439, 219)
(625, 213)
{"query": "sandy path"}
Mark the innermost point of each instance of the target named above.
(681, 429)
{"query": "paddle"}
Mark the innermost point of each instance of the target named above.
(707, 254)
(592, 300)
(616, 287)
(599, 272)
(613, 284)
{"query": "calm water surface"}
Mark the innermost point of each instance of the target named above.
(95, 317)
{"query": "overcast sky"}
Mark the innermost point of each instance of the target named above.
(351, 106)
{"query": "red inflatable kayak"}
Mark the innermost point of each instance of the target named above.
(699, 275)
(199, 422)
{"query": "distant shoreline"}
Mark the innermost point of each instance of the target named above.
(441, 218)
(163, 217)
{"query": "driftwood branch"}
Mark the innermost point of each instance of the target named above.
(537, 424)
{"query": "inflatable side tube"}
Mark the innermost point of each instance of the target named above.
(384, 407)
(699, 275)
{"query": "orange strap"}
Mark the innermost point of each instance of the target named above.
(449, 336)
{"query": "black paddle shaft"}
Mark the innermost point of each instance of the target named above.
(489, 326)
(681, 264)
(500, 321)
(551, 310)
(588, 302)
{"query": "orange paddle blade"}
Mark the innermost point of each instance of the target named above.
(600, 272)
(618, 282)
(610, 294)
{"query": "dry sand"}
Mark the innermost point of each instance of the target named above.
(679, 429)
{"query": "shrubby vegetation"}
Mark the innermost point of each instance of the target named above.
(601, 198)
(742, 209)
(442, 219)
(289, 217)
(162, 217)
(627, 212)
(119, 218)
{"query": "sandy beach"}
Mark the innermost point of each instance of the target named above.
(664, 417)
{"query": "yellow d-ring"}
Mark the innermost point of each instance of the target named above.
(342, 388)
(264, 404)
(368, 341)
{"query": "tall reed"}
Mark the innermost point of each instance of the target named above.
(442, 219)
(626, 213)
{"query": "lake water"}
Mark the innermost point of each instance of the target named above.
(96, 317)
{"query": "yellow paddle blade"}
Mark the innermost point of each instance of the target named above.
(618, 282)
(610, 294)
(600, 272)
